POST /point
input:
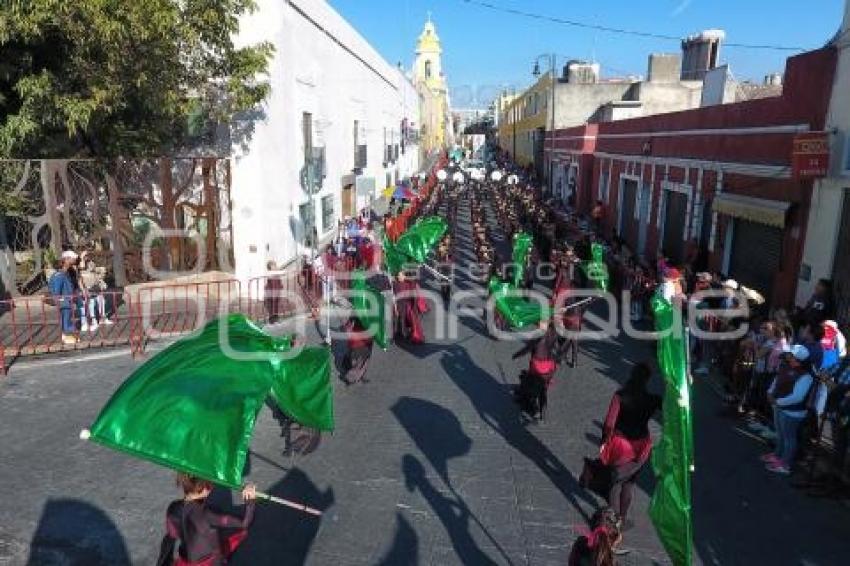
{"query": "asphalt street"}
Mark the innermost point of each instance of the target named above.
(431, 463)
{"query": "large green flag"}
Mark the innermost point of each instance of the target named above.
(394, 260)
(521, 249)
(517, 310)
(370, 308)
(596, 270)
(193, 406)
(419, 240)
(672, 459)
(521, 313)
(431, 229)
(415, 245)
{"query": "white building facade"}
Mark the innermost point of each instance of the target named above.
(339, 127)
(827, 251)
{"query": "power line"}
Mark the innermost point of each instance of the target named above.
(607, 29)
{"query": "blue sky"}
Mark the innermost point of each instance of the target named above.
(484, 50)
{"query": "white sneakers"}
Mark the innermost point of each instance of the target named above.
(86, 327)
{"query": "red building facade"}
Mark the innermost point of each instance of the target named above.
(716, 179)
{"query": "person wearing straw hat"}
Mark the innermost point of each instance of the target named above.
(194, 529)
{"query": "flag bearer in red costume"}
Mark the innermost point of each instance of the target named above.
(194, 529)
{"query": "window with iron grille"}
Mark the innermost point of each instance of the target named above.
(405, 133)
(386, 155)
(357, 143)
(328, 218)
(308, 221)
(361, 158)
(307, 132)
(319, 164)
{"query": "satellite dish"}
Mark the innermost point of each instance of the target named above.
(442, 175)
(496, 176)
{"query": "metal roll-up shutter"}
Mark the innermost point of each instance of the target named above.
(628, 232)
(756, 255)
(675, 215)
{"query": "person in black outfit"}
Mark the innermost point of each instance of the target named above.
(531, 394)
(821, 305)
(626, 440)
(198, 528)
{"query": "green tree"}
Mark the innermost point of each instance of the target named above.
(107, 78)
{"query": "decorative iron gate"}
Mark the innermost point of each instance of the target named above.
(125, 213)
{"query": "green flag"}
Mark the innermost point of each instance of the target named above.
(431, 229)
(596, 270)
(672, 458)
(521, 249)
(394, 260)
(521, 313)
(496, 286)
(517, 310)
(412, 246)
(369, 308)
(419, 240)
(192, 407)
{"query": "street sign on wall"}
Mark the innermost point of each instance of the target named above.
(811, 155)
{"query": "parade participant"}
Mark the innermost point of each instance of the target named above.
(671, 286)
(531, 394)
(194, 529)
(598, 215)
(626, 443)
(356, 360)
(598, 546)
(570, 321)
(566, 268)
(445, 269)
(408, 309)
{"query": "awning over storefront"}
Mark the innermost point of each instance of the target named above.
(763, 211)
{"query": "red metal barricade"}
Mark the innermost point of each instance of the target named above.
(174, 310)
(34, 325)
(276, 296)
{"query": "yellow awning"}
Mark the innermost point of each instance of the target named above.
(763, 211)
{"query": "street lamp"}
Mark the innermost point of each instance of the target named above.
(536, 72)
